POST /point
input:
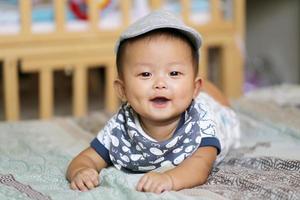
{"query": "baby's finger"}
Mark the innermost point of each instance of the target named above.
(89, 184)
(95, 181)
(94, 178)
(148, 186)
(73, 186)
(141, 183)
(81, 185)
(159, 189)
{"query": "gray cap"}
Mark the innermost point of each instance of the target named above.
(156, 20)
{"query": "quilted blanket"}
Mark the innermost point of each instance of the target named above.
(34, 156)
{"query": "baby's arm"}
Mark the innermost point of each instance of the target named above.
(84, 169)
(191, 172)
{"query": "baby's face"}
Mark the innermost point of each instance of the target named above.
(158, 77)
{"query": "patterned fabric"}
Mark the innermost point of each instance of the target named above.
(9, 180)
(228, 124)
(250, 178)
(256, 178)
(131, 150)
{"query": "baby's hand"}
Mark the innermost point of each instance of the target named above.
(155, 182)
(85, 179)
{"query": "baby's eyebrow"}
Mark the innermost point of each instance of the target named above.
(176, 63)
(143, 64)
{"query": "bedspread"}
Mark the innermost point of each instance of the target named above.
(34, 156)
(33, 159)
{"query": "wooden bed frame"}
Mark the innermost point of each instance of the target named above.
(79, 51)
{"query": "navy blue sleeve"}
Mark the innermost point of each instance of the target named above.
(101, 150)
(212, 142)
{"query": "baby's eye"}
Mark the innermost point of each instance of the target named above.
(145, 74)
(174, 73)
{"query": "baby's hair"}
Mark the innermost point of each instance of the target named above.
(169, 32)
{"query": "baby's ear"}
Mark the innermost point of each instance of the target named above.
(120, 90)
(197, 88)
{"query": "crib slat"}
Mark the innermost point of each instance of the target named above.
(216, 11)
(239, 10)
(185, 10)
(125, 9)
(25, 8)
(80, 91)
(239, 41)
(93, 14)
(231, 82)
(203, 62)
(46, 93)
(227, 64)
(11, 89)
(155, 4)
(59, 7)
(111, 99)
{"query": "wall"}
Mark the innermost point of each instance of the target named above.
(272, 40)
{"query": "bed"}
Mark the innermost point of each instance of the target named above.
(34, 156)
(30, 42)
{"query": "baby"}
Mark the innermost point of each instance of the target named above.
(166, 128)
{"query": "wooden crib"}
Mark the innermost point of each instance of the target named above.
(79, 51)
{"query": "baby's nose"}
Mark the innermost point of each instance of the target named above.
(160, 83)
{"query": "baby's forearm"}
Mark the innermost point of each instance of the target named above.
(193, 171)
(185, 177)
(86, 159)
(77, 164)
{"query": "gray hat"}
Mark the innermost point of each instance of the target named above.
(156, 20)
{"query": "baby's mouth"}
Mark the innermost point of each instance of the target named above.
(160, 100)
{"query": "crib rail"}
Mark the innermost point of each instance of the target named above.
(78, 51)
